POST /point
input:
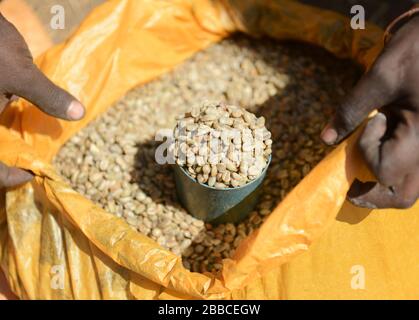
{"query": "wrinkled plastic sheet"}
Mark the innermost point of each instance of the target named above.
(307, 248)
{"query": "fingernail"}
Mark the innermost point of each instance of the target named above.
(362, 203)
(329, 135)
(75, 111)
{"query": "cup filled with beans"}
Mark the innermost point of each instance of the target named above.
(221, 154)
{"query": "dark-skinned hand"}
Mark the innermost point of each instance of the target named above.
(390, 140)
(20, 77)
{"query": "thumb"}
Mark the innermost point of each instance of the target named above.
(42, 92)
(10, 177)
(371, 92)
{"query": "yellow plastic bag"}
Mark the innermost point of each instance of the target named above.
(57, 244)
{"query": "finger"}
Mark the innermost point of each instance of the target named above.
(395, 158)
(381, 160)
(11, 177)
(373, 195)
(371, 92)
(370, 141)
(35, 87)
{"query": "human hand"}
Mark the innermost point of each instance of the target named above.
(390, 141)
(20, 77)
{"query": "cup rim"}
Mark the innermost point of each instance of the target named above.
(225, 189)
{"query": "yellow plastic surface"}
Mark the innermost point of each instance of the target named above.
(307, 248)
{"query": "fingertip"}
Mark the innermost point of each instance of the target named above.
(381, 116)
(329, 135)
(359, 202)
(75, 111)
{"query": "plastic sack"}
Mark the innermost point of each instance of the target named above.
(56, 244)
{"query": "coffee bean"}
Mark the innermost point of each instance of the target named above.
(212, 181)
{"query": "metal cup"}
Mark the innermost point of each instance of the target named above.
(217, 205)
